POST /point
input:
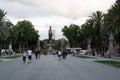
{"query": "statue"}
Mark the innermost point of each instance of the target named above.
(50, 34)
(50, 43)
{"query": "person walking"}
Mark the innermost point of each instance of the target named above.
(64, 54)
(39, 53)
(59, 55)
(54, 53)
(29, 52)
(36, 54)
(93, 53)
(24, 56)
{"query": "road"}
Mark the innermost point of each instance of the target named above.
(49, 68)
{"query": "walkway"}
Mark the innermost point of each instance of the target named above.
(49, 68)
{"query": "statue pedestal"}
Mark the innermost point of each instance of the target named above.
(89, 49)
(111, 50)
(50, 49)
(110, 53)
(10, 48)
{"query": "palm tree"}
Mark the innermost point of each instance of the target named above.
(97, 21)
(4, 30)
(113, 21)
(85, 33)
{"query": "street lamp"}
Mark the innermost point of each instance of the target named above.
(10, 38)
(102, 38)
(10, 45)
(93, 32)
(89, 42)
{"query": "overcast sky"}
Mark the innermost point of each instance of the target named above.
(57, 13)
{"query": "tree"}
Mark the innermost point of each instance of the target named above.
(25, 34)
(97, 18)
(4, 30)
(112, 21)
(86, 30)
(71, 33)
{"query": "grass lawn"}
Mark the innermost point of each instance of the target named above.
(12, 57)
(85, 57)
(111, 63)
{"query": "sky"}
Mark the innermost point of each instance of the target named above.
(55, 13)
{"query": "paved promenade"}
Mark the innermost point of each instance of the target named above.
(49, 68)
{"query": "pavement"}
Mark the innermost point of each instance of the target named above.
(50, 68)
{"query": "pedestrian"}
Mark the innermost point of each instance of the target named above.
(39, 53)
(93, 53)
(59, 55)
(24, 56)
(36, 53)
(64, 54)
(29, 52)
(54, 53)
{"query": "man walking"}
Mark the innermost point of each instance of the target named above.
(29, 52)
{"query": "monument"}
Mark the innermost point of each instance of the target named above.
(50, 41)
(89, 47)
(10, 47)
(111, 50)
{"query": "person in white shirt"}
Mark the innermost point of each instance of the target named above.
(29, 52)
(59, 55)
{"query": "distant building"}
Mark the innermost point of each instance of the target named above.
(53, 34)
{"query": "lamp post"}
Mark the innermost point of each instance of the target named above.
(93, 27)
(102, 37)
(11, 30)
(10, 45)
(78, 36)
(90, 40)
